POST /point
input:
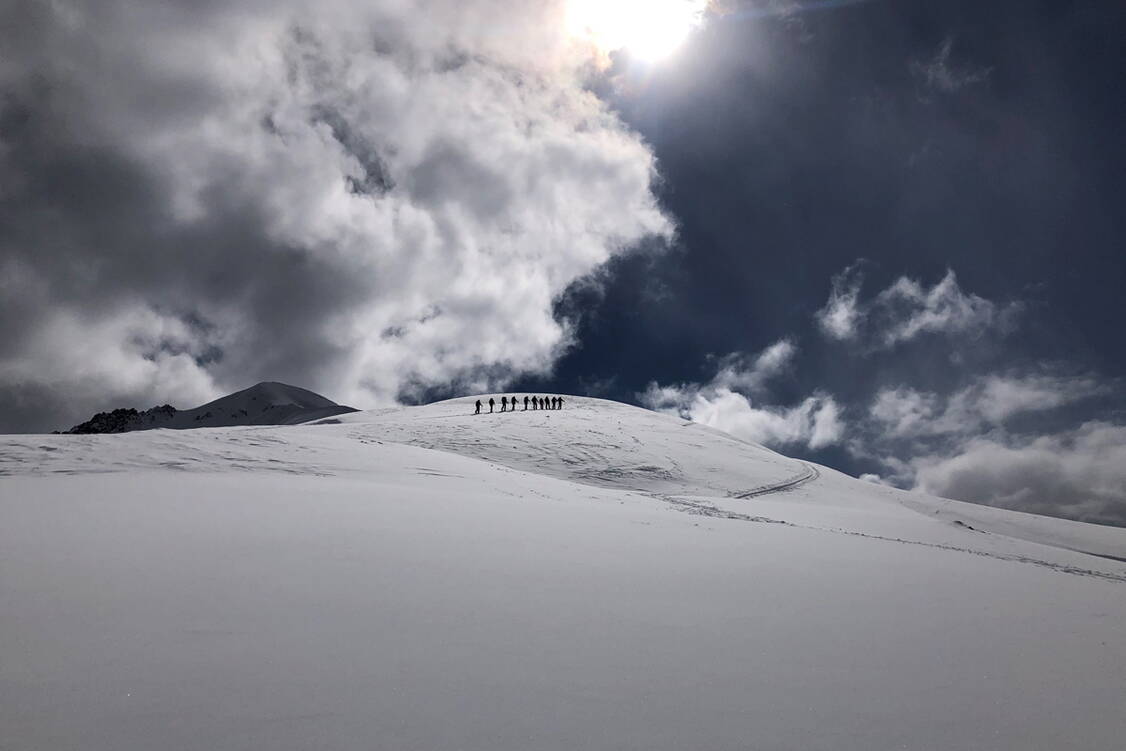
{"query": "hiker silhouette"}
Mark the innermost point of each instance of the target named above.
(508, 404)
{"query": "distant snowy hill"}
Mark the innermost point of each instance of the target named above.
(597, 577)
(266, 403)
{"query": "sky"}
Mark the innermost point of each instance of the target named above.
(886, 236)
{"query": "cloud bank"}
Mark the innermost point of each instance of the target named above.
(999, 441)
(1079, 474)
(367, 199)
(990, 401)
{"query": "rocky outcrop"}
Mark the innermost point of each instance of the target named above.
(126, 419)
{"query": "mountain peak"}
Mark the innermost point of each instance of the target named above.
(265, 403)
(274, 393)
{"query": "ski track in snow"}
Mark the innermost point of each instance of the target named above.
(811, 474)
(706, 509)
(808, 475)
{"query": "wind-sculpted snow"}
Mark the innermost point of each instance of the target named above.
(595, 577)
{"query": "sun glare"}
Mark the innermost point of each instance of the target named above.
(647, 29)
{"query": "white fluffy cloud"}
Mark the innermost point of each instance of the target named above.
(911, 309)
(841, 317)
(906, 310)
(365, 198)
(741, 373)
(730, 402)
(815, 423)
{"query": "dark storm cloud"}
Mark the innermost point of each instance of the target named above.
(197, 196)
(972, 153)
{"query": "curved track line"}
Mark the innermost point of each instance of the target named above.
(809, 475)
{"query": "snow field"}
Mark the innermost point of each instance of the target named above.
(423, 579)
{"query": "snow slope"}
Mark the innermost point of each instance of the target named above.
(600, 577)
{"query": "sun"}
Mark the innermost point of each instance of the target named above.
(647, 29)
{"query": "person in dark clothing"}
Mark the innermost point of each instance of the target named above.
(543, 403)
(555, 402)
(504, 404)
(525, 404)
(512, 402)
(492, 403)
(478, 407)
(560, 402)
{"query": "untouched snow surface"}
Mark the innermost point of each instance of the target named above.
(600, 577)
